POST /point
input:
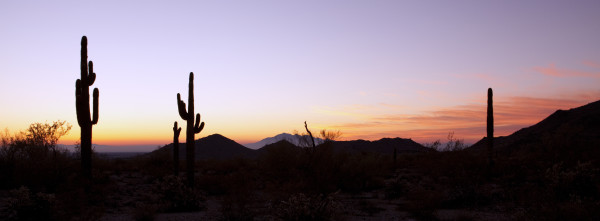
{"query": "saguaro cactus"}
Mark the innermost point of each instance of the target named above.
(490, 127)
(176, 132)
(190, 130)
(82, 104)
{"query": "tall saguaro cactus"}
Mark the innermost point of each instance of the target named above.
(490, 127)
(176, 132)
(191, 129)
(82, 103)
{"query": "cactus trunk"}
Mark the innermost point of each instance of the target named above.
(191, 129)
(82, 103)
(490, 127)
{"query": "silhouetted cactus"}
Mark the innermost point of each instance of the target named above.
(490, 126)
(191, 129)
(176, 132)
(82, 103)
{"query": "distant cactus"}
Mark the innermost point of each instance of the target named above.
(82, 103)
(490, 126)
(176, 132)
(191, 128)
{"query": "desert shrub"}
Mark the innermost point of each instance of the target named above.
(175, 196)
(26, 205)
(156, 164)
(361, 172)
(302, 207)
(396, 188)
(31, 158)
(281, 162)
(578, 182)
(222, 177)
(236, 207)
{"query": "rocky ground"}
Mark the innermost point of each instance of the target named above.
(132, 198)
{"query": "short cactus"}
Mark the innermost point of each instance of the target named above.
(191, 128)
(82, 104)
(176, 132)
(490, 126)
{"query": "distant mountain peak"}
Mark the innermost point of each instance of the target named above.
(279, 137)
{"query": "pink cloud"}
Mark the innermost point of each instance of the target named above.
(591, 64)
(552, 70)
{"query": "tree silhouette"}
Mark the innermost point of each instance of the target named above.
(82, 103)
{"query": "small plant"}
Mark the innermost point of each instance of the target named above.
(82, 104)
(191, 129)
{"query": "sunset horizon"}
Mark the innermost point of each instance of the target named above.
(300, 110)
(384, 69)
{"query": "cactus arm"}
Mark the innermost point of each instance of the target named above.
(91, 75)
(95, 114)
(197, 121)
(181, 106)
(198, 128)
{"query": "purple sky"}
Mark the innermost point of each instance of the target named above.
(371, 69)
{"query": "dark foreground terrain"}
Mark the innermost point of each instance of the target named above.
(549, 171)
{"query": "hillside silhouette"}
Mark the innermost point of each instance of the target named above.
(214, 146)
(219, 147)
(573, 128)
(382, 146)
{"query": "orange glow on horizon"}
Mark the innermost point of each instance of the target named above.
(466, 121)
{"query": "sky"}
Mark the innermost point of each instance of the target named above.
(370, 69)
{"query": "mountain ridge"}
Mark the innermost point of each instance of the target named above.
(579, 123)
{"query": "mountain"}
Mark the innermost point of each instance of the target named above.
(282, 145)
(294, 139)
(576, 127)
(382, 146)
(215, 146)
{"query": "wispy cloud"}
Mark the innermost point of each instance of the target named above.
(552, 70)
(468, 122)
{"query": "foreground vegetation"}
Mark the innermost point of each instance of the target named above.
(536, 182)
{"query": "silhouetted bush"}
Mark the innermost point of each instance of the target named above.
(26, 205)
(176, 196)
(31, 158)
(302, 207)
